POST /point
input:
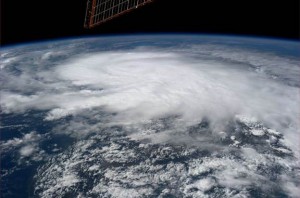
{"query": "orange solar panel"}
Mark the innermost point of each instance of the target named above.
(100, 11)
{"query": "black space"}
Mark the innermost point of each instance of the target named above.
(33, 20)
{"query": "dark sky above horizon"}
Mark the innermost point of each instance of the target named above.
(33, 20)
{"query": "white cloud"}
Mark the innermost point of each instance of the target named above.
(27, 150)
(117, 170)
(141, 85)
(28, 146)
(27, 138)
(294, 190)
(204, 184)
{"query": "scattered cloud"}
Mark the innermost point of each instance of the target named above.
(28, 146)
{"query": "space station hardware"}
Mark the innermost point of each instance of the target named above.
(101, 11)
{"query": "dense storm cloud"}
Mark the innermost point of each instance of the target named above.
(141, 85)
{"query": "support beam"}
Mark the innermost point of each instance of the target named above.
(101, 11)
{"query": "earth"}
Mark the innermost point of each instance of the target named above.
(151, 116)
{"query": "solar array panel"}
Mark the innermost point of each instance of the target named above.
(100, 11)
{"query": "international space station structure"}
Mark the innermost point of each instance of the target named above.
(101, 11)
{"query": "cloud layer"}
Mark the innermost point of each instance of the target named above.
(140, 85)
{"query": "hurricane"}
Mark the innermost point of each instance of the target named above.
(151, 117)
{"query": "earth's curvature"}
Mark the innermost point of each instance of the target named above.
(151, 116)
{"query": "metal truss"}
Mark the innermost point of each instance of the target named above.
(101, 11)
